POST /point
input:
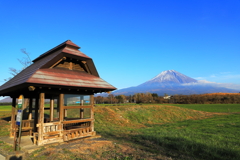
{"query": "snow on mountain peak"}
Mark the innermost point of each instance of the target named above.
(171, 76)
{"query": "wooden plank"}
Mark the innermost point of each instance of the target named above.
(77, 121)
(51, 124)
(52, 140)
(68, 136)
(51, 133)
(70, 66)
(64, 58)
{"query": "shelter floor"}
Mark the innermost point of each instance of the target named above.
(28, 146)
(26, 143)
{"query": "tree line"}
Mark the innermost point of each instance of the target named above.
(215, 98)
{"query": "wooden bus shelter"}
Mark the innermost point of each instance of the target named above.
(59, 87)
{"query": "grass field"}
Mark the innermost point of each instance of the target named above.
(227, 108)
(177, 131)
(169, 131)
(5, 108)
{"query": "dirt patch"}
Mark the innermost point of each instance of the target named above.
(92, 149)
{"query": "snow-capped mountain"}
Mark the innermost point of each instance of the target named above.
(170, 77)
(173, 82)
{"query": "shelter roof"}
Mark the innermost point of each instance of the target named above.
(62, 66)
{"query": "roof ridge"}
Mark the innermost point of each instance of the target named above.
(64, 44)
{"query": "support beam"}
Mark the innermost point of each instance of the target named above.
(36, 114)
(81, 113)
(30, 109)
(13, 118)
(51, 109)
(81, 109)
(41, 118)
(65, 113)
(58, 108)
(85, 65)
(92, 112)
(61, 112)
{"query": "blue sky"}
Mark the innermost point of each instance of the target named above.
(130, 41)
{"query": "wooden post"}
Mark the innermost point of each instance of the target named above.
(60, 104)
(51, 109)
(13, 118)
(36, 114)
(92, 112)
(61, 107)
(65, 103)
(81, 113)
(30, 109)
(41, 118)
(24, 106)
(65, 113)
(81, 109)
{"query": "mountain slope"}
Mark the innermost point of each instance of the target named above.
(173, 82)
(170, 77)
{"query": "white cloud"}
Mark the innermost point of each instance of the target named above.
(205, 81)
(222, 77)
(215, 84)
(199, 78)
(230, 85)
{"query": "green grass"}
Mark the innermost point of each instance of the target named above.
(176, 131)
(226, 108)
(213, 138)
(164, 130)
(5, 108)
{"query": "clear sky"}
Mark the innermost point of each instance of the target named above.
(130, 41)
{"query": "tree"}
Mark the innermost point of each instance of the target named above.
(25, 62)
(121, 98)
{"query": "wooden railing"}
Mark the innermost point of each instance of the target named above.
(75, 124)
(52, 132)
(77, 133)
(52, 128)
(65, 131)
(77, 129)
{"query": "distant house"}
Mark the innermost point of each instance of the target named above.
(167, 97)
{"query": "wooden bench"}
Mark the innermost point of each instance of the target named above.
(27, 125)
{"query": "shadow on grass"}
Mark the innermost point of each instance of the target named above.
(15, 158)
(6, 119)
(189, 148)
(177, 148)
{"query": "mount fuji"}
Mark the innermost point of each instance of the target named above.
(173, 82)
